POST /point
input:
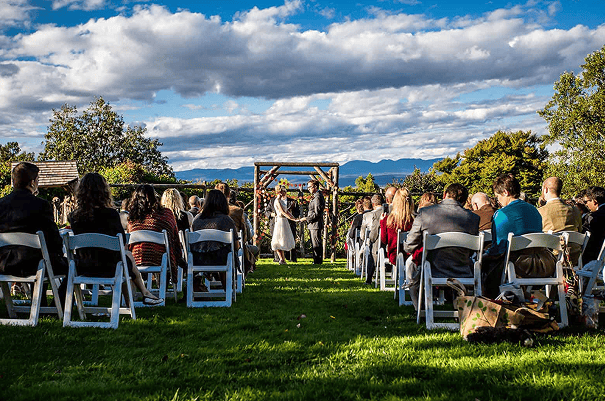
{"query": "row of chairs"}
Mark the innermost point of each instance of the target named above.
(122, 302)
(357, 259)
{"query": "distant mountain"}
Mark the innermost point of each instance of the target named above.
(384, 172)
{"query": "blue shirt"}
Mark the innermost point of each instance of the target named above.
(518, 217)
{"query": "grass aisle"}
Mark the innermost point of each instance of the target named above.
(354, 343)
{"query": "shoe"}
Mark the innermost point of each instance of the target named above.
(283, 262)
(152, 301)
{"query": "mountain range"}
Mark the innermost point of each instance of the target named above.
(384, 172)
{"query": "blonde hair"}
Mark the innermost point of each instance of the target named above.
(171, 199)
(402, 207)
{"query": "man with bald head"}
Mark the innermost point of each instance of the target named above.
(483, 208)
(389, 194)
(556, 215)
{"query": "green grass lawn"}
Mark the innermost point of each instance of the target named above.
(355, 343)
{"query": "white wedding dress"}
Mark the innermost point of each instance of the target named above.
(282, 235)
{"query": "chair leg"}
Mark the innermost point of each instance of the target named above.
(420, 296)
(8, 300)
(37, 298)
(69, 299)
(428, 301)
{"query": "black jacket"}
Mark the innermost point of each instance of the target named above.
(316, 212)
(21, 211)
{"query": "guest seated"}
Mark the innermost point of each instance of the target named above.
(400, 217)
(194, 205)
(358, 217)
(237, 215)
(94, 214)
(483, 208)
(594, 199)
(427, 199)
(447, 216)
(146, 213)
(517, 217)
(171, 199)
(22, 211)
(371, 221)
(557, 216)
(214, 215)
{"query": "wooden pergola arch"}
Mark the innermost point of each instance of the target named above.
(262, 179)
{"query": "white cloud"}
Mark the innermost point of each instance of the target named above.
(86, 5)
(14, 13)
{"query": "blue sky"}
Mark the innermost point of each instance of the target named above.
(225, 83)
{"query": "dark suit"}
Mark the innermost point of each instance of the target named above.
(447, 216)
(21, 211)
(315, 219)
(595, 223)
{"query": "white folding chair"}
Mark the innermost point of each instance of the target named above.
(209, 298)
(388, 281)
(239, 273)
(358, 253)
(45, 271)
(366, 248)
(147, 272)
(571, 238)
(74, 281)
(427, 281)
(537, 240)
(402, 291)
(350, 254)
(380, 262)
(592, 275)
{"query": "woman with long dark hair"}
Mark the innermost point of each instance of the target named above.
(146, 213)
(94, 214)
(214, 215)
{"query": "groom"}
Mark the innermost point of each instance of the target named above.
(315, 220)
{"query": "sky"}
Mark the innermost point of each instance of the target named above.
(225, 83)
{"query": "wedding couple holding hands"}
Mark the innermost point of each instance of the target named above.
(283, 238)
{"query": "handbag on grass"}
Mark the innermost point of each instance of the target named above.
(475, 312)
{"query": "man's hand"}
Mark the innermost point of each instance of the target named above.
(302, 219)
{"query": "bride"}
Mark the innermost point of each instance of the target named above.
(283, 239)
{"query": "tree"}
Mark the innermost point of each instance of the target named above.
(418, 182)
(98, 139)
(9, 153)
(366, 184)
(521, 153)
(576, 122)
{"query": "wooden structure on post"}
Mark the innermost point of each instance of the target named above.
(262, 179)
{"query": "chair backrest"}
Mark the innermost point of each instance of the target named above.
(401, 237)
(154, 237)
(533, 240)
(23, 239)
(94, 240)
(453, 239)
(209, 235)
(487, 235)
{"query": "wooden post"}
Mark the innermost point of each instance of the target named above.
(255, 209)
(335, 212)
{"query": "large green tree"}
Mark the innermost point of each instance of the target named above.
(98, 139)
(576, 125)
(521, 153)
